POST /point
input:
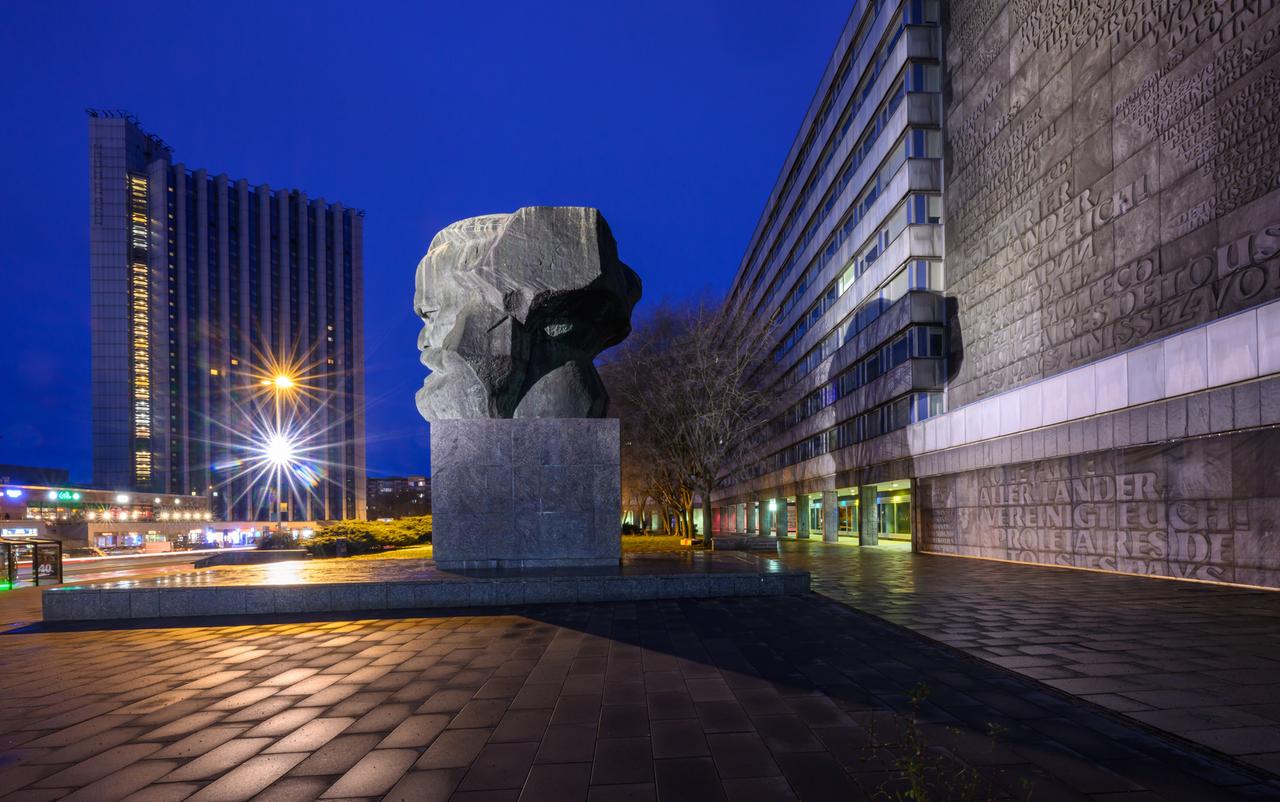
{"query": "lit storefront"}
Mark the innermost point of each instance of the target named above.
(888, 519)
(106, 519)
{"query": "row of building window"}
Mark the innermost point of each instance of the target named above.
(915, 209)
(889, 417)
(918, 274)
(917, 342)
(917, 77)
(914, 143)
(914, 12)
(875, 130)
(820, 119)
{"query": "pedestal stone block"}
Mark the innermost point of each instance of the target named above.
(525, 492)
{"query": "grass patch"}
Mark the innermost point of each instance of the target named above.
(421, 551)
(651, 544)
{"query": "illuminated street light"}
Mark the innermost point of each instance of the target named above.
(280, 450)
(283, 382)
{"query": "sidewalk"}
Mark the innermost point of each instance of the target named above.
(765, 699)
(1197, 660)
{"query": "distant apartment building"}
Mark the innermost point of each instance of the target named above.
(203, 288)
(399, 496)
(1026, 263)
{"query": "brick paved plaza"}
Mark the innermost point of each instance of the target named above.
(1198, 660)
(796, 697)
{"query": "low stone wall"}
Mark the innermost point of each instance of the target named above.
(107, 601)
(251, 557)
(743, 543)
(1206, 508)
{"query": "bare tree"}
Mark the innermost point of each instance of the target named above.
(685, 385)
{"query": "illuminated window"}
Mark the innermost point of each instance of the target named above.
(140, 323)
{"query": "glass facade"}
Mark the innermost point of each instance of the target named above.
(201, 286)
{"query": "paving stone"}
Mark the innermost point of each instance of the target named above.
(373, 775)
(283, 722)
(741, 755)
(93, 745)
(338, 755)
(723, 717)
(521, 725)
(453, 749)
(786, 734)
(311, 736)
(98, 766)
(247, 779)
(688, 779)
(621, 721)
(425, 786)
(670, 704)
(567, 744)
(577, 709)
(198, 743)
(122, 783)
(817, 777)
(499, 766)
(759, 789)
(622, 760)
(560, 782)
(294, 789)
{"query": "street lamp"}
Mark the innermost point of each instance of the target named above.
(280, 449)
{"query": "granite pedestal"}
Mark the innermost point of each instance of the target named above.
(525, 492)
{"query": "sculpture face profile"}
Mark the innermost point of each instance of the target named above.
(515, 307)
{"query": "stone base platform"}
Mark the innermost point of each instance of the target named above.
(525, 493)
(315, 586)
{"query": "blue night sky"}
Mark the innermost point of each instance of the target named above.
(672, 117)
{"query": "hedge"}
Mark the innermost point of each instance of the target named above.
(369, 536)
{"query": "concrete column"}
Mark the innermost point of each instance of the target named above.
(753, 518)
(766, 517)
(782, 516)
(740, 516)
(802, 516)
(868, 518)
(830, 517)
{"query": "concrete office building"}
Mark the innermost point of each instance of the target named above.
(203, 287)
(1106, 248)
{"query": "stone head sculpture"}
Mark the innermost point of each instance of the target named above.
(515, 308)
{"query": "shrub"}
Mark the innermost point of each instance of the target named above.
(363, 537)
(632, 529)
(277, 540)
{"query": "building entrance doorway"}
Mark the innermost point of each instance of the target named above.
(893, 508)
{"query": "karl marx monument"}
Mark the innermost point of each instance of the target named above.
(515, 307)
